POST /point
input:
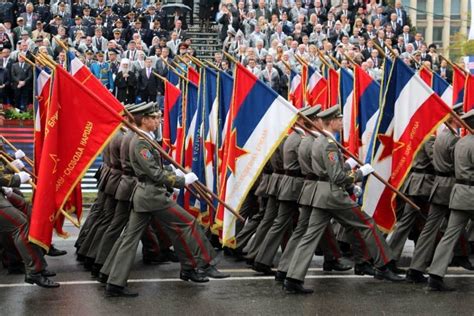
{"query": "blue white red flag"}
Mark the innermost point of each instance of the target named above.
(252, 135)
(296, 90)
(410, 113)
(316, 88)
(346, 87)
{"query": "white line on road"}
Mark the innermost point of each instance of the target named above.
(250, 278)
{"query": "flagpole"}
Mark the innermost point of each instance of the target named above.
(178, 66)
(3, 153)
(351, 155)
(323, 59)
(28, 160)
(195, 60)
(453, 65)
(175, 71)
(209, 64)
(334, 60)
(33, 185)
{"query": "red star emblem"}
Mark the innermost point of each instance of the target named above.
(388, 145)
(210, 150)
(234, 151)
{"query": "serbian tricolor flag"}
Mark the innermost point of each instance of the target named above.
(411, 111)
(316, 88)
(469, 93)
(42, 96)
(365, 112)
(426, 75)
(79, 124)
(211, 134)
(295, 93)
(190, 120)
(252, 135)
(459, 80)
(173, 78)
(346, 88)
(171, 115)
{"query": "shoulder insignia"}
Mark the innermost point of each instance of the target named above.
(330, 140)
(333, 157)
(146, 154)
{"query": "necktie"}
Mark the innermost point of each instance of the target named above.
(21, 65)
(148, 73)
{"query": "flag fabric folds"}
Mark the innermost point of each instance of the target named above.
(295, 95)
(346, 88)
(459, 80)
(252, 135)
(78, 125)
(42, 91)
(410, 113)
(469, 93)
(316, 88)
(172, 114)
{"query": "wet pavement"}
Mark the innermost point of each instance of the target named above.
(245, 293)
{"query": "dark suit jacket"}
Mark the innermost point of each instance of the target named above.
(449, 74)
(22, 74)
(147, 84)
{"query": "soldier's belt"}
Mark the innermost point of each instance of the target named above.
(311, 177)
(129, 173)
(423, 170)
(465, 182)
(323, 179)
(144, 179)
(445, 174)
(279, 171)
(294, 173)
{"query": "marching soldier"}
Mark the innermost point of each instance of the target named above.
(304, 202)
(15, 222)
(461, 203)
(331, 199)
(443, 163)
(418, 187)
(271, 209)
(152, 198)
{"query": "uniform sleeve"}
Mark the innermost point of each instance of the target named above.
(335, 168)
(152, 168)
(8, 180)
(428, 146)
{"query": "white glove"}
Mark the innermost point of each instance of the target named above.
(19, 154)
(366, 169)
(8, 191)
(17, 163)
(351, 162)
(179, 173)
(190, 178)
(24, 176)
(176, 192)
(357, 191)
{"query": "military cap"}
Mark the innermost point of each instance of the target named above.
(469, 118)
(117, 31)
(146, 110)
(133, 106)
(100, 53)
(77, 17)
(89, 52)
(20, 19)
(459, 108)
(57, 16)
(331, 113)
(24, 33)
(311, 111)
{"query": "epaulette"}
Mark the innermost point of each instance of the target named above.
(330, 140)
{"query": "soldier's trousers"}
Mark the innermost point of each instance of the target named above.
(328, 243)
(14, 222)
(104, 217)
(94, 214)
(251, 225)
(427, 241)
(444, 251)
(271, 212)
(404, 225)
(189, 241)
(110, 236)
(249, 208)
(317, 225)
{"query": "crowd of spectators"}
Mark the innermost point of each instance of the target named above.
(123, 42)
(268, 36)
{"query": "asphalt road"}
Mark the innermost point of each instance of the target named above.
(245, 293)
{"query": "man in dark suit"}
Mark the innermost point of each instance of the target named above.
(320, 12)
(396, 27)
(22, 83)
(445, 72)
(262, 10)
(147, 82)
(424, 54)
(279, 8)
(400, 12)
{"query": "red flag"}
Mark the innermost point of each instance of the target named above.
(469, 93)
(78, 125)
(459, 79)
